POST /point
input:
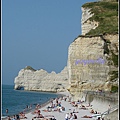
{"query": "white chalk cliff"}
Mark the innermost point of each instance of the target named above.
(92, 59)
(86, 24)
(77, 76)
(89, 65)
(41, 80)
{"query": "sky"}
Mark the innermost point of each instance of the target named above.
(37, 33)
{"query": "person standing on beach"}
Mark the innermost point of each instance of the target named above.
(109, 109)
(71, 116)
(98, 118)
(9, 118)
(14, 118)
(75, 116)
(17, 117)
(6, 110)
(67, 116)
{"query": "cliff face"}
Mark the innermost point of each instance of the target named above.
(89, 66)
(40, 80)
(92, 60)
(86, 24)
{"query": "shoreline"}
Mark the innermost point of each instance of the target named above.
(60, 115)
(60, 94)
(69, 108)
(30, 110)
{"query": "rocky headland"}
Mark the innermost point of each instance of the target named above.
(40, 80)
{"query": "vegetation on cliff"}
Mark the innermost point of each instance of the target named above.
(114, 88)
(115, 59)
(106, 13)
(29, 68)
(113, 75)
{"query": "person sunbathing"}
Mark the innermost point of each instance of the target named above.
(89, 105)
(35, 111)
(75, 111)
(83, 107)
(49, 116)
(72, 102)
(38, 116)
(63, 108)
(75, 105)
(22, 115)
(45, 110)
(92, 111)
(86, 116)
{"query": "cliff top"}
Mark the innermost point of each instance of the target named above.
(106, 13)
(29, 68)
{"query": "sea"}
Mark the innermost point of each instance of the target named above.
(17, 101)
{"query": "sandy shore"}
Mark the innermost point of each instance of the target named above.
(60, 115)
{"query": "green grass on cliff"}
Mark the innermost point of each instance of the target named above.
(29, 68)
(113, 75)
(106, 13)
(114, 88)
(114, 59)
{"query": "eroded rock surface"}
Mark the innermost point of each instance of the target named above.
(41, 80)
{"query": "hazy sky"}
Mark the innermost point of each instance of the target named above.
(37, 33)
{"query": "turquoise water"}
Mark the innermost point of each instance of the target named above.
(17, 100)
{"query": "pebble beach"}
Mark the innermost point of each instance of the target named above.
(82, 110)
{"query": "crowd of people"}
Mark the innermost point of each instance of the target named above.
(56, 105)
